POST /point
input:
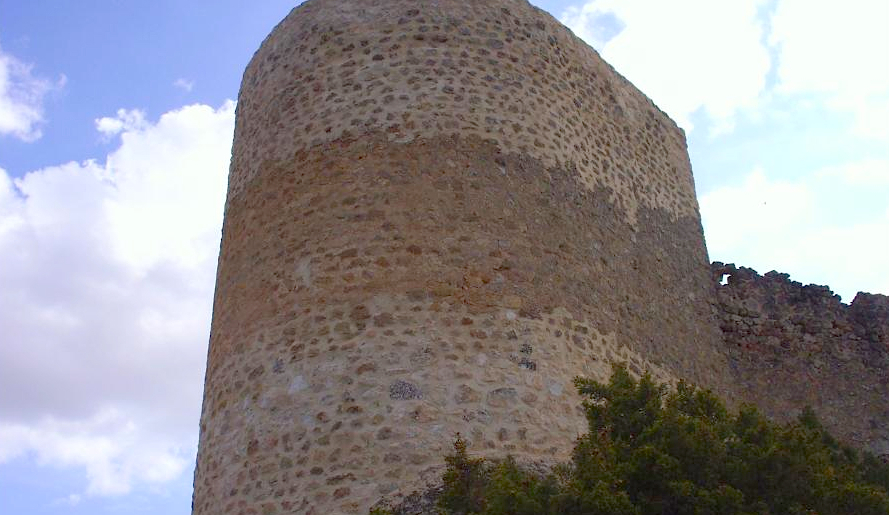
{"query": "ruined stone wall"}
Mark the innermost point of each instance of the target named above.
(791, 345)
(439, 213)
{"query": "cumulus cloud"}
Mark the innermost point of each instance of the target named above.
(840, 51)
(21, 98)
(686, 54)
(108, 446)
(819, 229)
(832, 47)
(108, 272)
(125, 120)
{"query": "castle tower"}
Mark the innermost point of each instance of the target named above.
(439, 213)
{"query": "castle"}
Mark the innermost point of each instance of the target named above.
(439, 213)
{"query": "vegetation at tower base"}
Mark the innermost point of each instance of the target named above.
(650, 451)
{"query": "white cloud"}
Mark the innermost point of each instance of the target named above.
(685, 55)
(184, 84)
(840, 50)
(126, 120)
(757, 208)
(108, 272)
(866, 173)
(21, 98)
(814, 228)
(872, 116)
(108, 446)
(10, 205)
(832, 47)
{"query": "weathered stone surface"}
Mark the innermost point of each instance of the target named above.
(403, 390)
(439, 213)
(791, 345)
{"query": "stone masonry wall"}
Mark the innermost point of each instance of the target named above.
(439, 213)
(791, 345)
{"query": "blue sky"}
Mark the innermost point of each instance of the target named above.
(115, 129)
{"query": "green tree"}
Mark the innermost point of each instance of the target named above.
(652, 451)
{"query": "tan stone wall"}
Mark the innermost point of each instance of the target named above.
(439, 214)
(502, 70)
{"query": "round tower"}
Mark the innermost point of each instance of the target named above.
(439, 213)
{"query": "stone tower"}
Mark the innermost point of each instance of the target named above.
(439, 213)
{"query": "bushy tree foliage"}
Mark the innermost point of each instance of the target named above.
(652, 451)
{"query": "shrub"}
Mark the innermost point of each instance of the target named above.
(650, 451)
